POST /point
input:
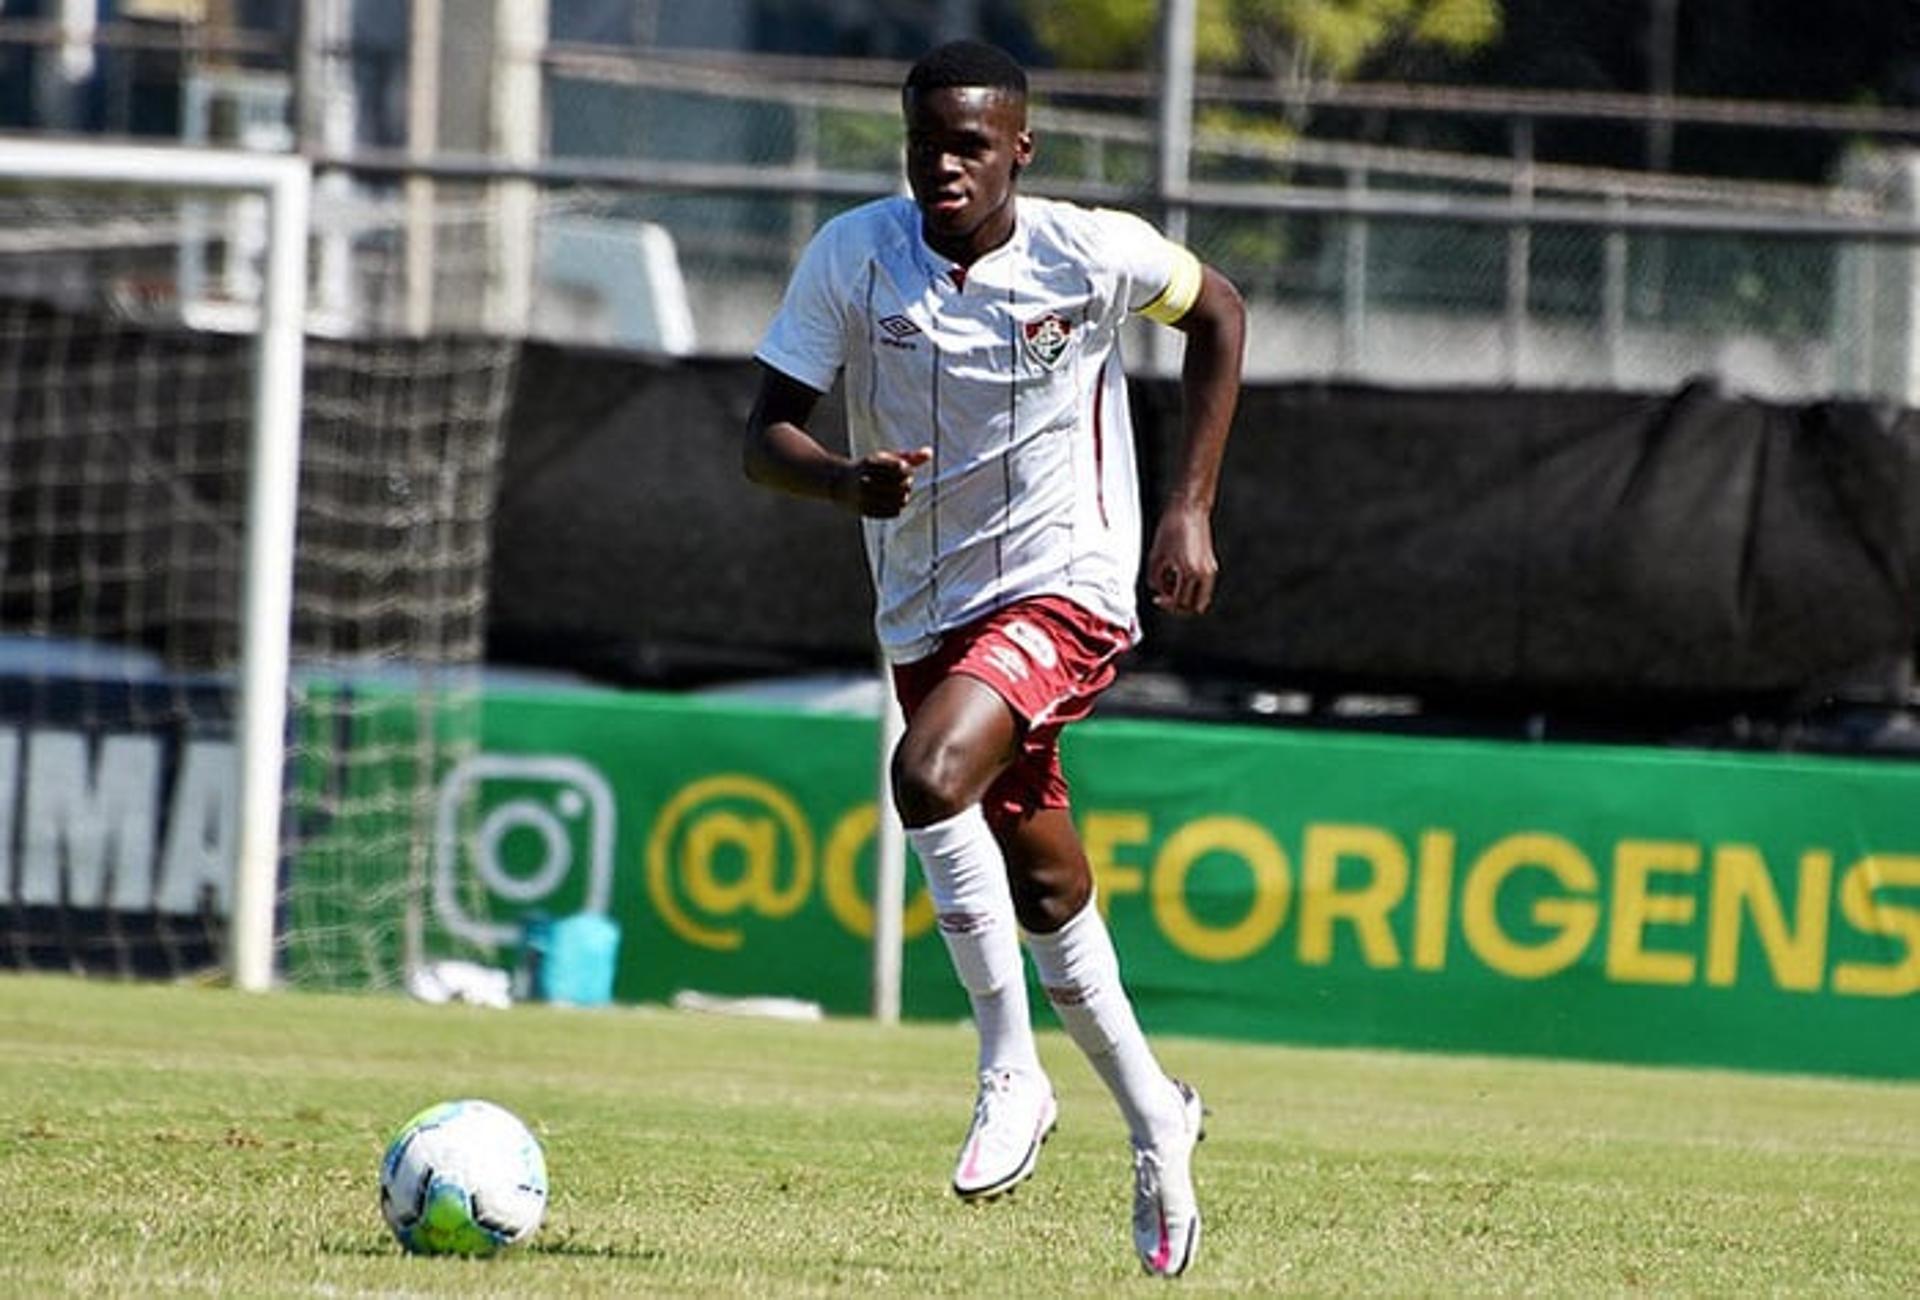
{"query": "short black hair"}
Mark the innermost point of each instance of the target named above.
(967, 63)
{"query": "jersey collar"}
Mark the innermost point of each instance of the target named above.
(952, 278)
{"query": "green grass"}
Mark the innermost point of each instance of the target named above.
(163, 1140)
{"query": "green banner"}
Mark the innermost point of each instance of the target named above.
(1631, 904)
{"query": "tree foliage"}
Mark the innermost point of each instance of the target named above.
(1280, 38)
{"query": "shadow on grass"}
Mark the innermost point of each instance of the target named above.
(594, 1250)
(563, 1248)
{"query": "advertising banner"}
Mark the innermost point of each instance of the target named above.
(117, 816)
(1631, 904)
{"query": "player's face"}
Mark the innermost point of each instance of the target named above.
(965, 145)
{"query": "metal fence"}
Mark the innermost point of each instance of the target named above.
(1359, 262)
(644, 198)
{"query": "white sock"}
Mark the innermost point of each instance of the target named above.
(1081, 974)
(973, 903)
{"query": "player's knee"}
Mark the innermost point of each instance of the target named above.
(931, 781)
(1045, 903)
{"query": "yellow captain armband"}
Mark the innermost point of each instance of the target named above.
(1183, 287)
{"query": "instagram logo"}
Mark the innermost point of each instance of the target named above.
(515, 829)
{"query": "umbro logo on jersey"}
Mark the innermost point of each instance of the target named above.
(1047, 338)
(899, 331)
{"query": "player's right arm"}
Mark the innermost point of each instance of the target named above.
(780, 453)
(805, 347)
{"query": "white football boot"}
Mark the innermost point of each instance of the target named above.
(1166, 1215)
(1014, 1114)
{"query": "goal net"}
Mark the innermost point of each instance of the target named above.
(162, 676)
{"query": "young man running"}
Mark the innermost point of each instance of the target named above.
(992, 467)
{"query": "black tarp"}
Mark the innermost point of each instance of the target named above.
(1560, 544)
(1499, 545)
(628, 545)
(1492, 549)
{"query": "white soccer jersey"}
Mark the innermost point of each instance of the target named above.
(1011, 373)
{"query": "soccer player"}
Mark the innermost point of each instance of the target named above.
(977, 335)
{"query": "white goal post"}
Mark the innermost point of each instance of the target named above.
(272, 487)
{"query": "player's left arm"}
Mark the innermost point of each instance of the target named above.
(1181, 566)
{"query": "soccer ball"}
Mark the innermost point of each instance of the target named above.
(463, 1178)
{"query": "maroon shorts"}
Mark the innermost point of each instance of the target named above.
(1049, 659)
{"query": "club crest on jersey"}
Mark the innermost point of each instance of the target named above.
(1047, 338)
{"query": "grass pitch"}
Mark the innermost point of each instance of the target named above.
(178, 1141)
